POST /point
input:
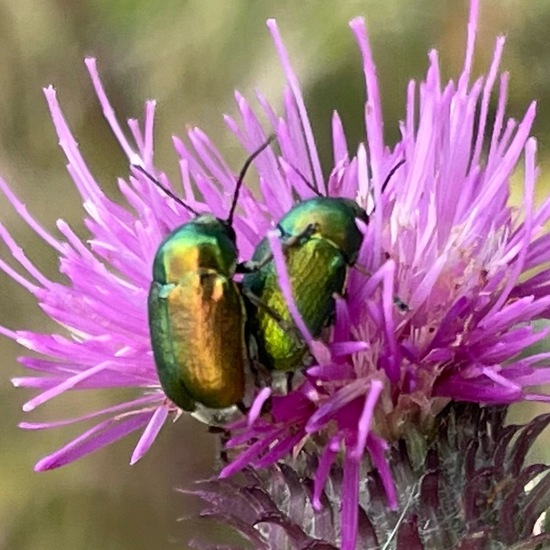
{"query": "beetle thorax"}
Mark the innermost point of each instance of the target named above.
(204, 243)
(333, 220)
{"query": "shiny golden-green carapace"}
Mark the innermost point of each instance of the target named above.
(196, 316)
(317, 265)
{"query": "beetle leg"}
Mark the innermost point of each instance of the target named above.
(285, 325)
(256, 301)
(289, 379)
(400, 304)
(251, 266)
(222, 438)
(397, 301)
(363, 270)
(262, 375)
(304, 235)
(242, 407)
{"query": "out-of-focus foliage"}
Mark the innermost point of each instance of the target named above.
(190, 55)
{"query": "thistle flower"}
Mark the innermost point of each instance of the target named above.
(470, 268)
(442, 238)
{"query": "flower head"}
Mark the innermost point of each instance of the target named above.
(445, 240)
(442, 238)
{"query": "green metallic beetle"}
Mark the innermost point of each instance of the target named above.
(196, 310)
(321, 241)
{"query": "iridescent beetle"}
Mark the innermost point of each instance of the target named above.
(196, 309)
(321, 241)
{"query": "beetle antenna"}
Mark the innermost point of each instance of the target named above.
(164, 189)
(310, 185)
(387, 180)
(308, 151)
(242, 174)
(390, 175)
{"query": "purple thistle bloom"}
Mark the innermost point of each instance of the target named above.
(445, 241)
(442, 238)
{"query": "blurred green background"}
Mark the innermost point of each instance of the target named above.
(190, 55)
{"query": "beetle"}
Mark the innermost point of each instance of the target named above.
(321, 241)
(196, 310)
